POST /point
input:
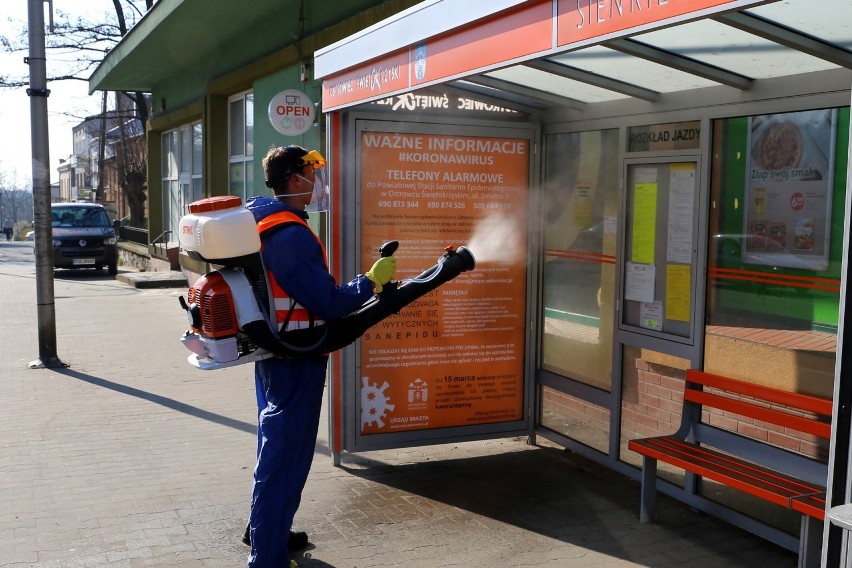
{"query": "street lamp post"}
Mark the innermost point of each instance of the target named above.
(43, 244)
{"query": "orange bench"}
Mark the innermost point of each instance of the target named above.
(786, 478)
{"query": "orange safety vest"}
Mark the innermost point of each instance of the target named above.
(289, 314)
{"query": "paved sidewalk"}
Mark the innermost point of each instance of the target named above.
(130, 458)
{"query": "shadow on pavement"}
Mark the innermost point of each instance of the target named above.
(167, 402)
(561, 495)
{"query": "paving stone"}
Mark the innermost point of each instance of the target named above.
(130, 458)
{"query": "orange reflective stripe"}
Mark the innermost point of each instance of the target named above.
(288, 313)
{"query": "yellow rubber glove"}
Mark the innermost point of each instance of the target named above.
(382, 272)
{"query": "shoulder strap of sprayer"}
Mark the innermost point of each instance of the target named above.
(277, 221)
(266, 227)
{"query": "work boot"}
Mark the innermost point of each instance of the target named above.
(296, 540)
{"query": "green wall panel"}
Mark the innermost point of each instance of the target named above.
(265, 136)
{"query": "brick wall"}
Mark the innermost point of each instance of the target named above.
(652, 398)
(651, 406)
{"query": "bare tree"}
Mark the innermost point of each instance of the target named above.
(16, 201)
(75, 48)
(131, 160)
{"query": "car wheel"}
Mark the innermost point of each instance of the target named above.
(113, 269)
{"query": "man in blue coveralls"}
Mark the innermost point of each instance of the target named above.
(290, 390)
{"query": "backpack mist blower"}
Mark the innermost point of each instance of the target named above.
(227, 308)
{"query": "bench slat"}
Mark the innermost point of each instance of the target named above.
(813, 505)
(750, 478)
(771, 415)
(795, 400)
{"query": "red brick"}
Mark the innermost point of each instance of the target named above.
(723, 422)
(649, 377)
(785, 441)
(673, 406)
(672, 383)
(660, 414)
(769, 426)
(657, 392)
(647, 421)
(753, 431)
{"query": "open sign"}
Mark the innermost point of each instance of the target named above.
(291, 112)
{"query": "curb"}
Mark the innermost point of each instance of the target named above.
(171, 279)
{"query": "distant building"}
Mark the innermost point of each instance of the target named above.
(80, 176)
(64, 191)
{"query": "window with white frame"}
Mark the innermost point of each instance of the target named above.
(240, 144)
(181, 173)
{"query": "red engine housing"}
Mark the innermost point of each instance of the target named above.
(215, 302)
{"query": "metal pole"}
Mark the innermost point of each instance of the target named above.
(43, 244)
(835, 550)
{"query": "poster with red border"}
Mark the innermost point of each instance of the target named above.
(454, 357)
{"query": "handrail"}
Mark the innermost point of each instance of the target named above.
(159, 239)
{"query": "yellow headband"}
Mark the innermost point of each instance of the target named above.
(313, 158)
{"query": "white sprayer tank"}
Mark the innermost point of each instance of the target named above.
(219, 227)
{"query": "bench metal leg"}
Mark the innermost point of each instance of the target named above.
(810, 542)
(649, 490)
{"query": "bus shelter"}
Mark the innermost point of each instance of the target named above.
(648, 187)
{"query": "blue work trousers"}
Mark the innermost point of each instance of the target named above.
(289, 397)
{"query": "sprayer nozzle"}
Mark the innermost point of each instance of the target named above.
(388, 248)
(467, 258)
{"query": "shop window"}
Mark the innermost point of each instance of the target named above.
(181, 166)
(240, 144)
(775, 248)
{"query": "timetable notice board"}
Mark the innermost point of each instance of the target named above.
(454, 357)
(658, 276)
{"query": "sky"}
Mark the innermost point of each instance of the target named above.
(65, 97)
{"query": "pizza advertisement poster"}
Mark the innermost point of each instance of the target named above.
(789, 189)
(455, 356)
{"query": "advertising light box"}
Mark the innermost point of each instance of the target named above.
(455, 356)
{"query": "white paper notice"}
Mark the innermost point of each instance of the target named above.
(645, 175)
(681, 207)
(639, 282)
(651, 315)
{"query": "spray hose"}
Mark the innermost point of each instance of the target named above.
(263, 342)
(394, 297)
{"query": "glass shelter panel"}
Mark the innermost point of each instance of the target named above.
(651, 401)
(575, 418)
(775, 249)
(580, 217)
